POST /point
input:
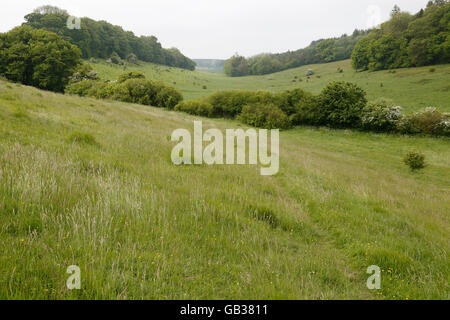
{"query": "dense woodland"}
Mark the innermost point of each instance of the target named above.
(407, 40)
(320, 51)
(100, 39)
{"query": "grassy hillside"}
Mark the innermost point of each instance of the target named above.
(90, 183)
(413, 88)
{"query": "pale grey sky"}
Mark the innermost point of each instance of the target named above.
(219, 28)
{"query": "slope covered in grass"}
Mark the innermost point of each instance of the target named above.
(413, 88)
(90, 183)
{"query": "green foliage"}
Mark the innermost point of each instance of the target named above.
(131, 88)
(236, 66)
(132, 58)
(341, 104)
(83, 88)
(84, 72)
(407, 41)
(167, 97)
(291, 101)
(38, 58)
(196, 107)
(414, 160)
(321, 51)
(130, 75)
(101, 39)
(115, 58)
(378, 116)
(430, 121)
(229, 104)
(266, 116)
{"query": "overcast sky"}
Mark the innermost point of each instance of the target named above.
(219, 28)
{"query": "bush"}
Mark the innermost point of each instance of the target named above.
(429, 121)
(132, 58)
(308, 113)
(414, 160)
(80, 88)
(379, 117)
(229, 104)
(342, 103)
(115, 58)
(290, 101)
(195, 107)
(84, 72)
(38, 58)
(130, 75)
(167, 97)
(133, 90)
(265, 116)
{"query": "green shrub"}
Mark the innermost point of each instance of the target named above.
(115, 58)
(195, 107)
(130, 75)
(414, 160)
(307, 111)
(265, 116)
(167, 97)
(84, 72)
(429, 121)
(132, 58)
(290, 101)
(342, 103)
(380, 117)
(80, 88)
(133, 90)
(229, 104)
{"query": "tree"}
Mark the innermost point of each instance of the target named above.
(236, 66)
(100, 39)
(396, 10)
(341, 104)
(320, 51)
(38, 58)
(360, 55)
(407, 40)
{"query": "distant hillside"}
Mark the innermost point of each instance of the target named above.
(211, 65)
(411, 88)
(320, 51)
(100, 39)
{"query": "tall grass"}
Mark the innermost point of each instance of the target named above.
(140, 227)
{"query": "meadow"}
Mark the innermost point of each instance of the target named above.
(411, 88)
(90, 183)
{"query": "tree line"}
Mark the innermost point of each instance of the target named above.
(320, 51)
(100, 39)
(407, 40)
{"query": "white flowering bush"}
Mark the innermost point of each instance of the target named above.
(430, 121)
(379, 116)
